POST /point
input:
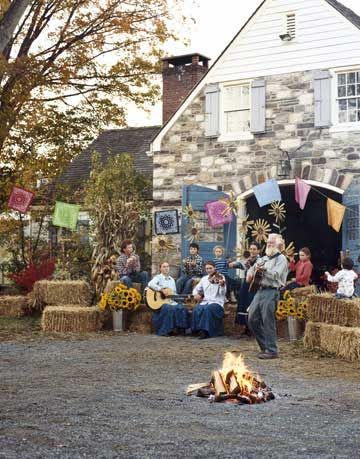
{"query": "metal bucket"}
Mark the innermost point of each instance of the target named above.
(295, 328)
(118, 320)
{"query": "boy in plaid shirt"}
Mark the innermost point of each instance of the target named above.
(192, 268)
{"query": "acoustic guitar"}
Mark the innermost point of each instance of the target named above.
(256, 281)
(155, 300)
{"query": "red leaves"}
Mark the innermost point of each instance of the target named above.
(32, 273)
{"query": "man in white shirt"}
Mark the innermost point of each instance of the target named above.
(208, 315)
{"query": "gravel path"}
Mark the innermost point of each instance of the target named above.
(123, 396)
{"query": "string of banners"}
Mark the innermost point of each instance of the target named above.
(65, 215)
(220, 212)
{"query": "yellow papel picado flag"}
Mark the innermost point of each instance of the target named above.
(335, 212)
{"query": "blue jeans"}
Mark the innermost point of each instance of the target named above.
(142, 278)
(184, 284)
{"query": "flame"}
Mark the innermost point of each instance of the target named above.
(236, 364)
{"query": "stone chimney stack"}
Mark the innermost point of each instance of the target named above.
(180, 75)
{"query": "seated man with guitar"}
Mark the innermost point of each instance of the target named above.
(169, 317)
(266, 276)
(208, 315)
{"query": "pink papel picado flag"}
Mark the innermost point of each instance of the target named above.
(217, 214)
(20, 199)
(302, 190)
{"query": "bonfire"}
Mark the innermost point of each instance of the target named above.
(233, 383)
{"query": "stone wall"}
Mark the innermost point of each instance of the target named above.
(187, 157)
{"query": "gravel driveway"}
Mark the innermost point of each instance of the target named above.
(123, 396)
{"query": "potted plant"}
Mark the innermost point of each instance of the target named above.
(120, 299)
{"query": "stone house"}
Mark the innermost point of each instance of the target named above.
(281, 101)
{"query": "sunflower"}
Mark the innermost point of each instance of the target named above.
(260, 230)
(163, 243)
(278, 211)
(243, 247)
(193, 232)
(103, 302)
(189, 213)
(232, 204)
(289, 250)
(245, 224)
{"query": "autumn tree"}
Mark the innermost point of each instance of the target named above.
(115, 199)
(70, 69)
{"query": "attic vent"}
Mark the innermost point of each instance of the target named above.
(291, 24)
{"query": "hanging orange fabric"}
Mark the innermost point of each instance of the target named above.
(335, 212)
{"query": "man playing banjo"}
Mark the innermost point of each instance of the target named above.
(273, 270)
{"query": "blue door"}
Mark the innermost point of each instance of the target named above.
(225, 235)
(351, 225)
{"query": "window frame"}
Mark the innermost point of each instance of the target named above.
(239, 135)
(337, 126)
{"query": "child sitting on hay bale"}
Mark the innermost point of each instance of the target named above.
(346, 279)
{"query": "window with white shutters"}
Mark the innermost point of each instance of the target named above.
(236, 108)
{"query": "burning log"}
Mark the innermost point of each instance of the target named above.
(218, 383)
(234, 383)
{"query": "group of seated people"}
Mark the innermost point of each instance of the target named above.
(210, 292)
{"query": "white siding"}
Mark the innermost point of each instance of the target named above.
(324, 39)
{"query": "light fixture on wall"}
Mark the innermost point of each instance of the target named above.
(285, 37)
(283, 166)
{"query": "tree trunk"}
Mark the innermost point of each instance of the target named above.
(10, 20)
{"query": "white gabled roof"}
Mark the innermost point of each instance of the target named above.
(233, 53)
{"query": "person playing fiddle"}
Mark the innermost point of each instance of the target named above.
(208, 315)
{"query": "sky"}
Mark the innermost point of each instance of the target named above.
(216, 23)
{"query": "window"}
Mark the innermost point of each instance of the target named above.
(236, 108)
(348, 97)
(291, 24)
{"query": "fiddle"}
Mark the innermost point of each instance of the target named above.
(216, 278)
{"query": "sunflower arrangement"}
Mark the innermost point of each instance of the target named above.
(278, 211)
(120, 298)
(289, 307)
(261, 230)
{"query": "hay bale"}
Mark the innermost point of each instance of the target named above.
(328, 309)
(13, 306)
(343, 342)
(113, 283)
(62, 293)
(140, 321)
(304, 292)
(70, 318)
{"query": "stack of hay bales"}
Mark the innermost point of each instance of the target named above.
(13, 306)
(334, 326)
(67, 306)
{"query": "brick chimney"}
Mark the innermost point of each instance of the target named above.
(180, 75)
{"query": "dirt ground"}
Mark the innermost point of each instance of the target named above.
(118, 395)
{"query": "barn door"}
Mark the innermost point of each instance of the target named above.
(351, 226)
(224, 235)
